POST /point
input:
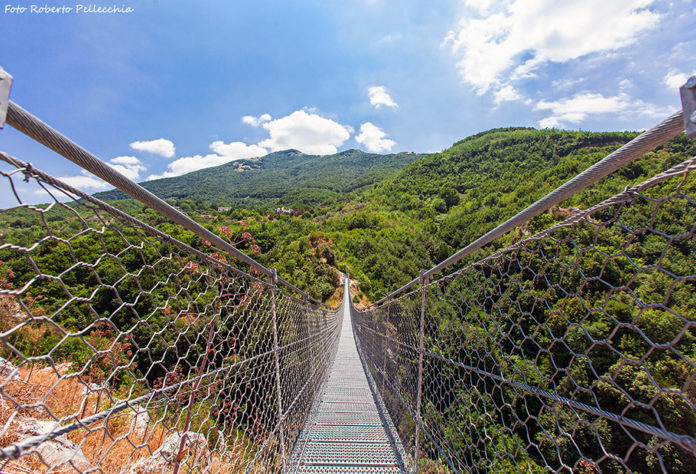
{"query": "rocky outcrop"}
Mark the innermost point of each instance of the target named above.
(139, 424)
(164, 459)
(59, 451)
(8, 370)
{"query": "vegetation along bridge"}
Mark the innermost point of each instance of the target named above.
(125, 349)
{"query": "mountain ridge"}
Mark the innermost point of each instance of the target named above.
(287, 177)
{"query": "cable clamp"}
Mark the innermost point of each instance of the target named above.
(28, 172)
(631, 191)
(423, 277)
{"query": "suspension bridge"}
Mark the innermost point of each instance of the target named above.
(126, 350)
(348, 430)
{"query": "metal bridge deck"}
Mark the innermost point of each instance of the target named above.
(348, 430)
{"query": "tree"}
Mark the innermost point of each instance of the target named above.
(449, 195)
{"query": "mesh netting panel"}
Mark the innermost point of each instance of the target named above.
(573, 350)
(124, 350)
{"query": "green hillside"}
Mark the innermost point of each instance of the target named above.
(446, 200)
(384, 233)
(408, 220)
(284, 178)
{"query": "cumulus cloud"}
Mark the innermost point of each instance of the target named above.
(85, 181)
(518, 36)
(256, 121)
(307, 132)
(237, 150)
(380, 97)
(675, 79)
(129, 166)
(223, 153)
(161, 146)
(577, 108)
(481, 5)
(507, 94)
(374, 139)
(625, 84)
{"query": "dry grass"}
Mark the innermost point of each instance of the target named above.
(108, 444)
(32, 463)
(336, 298)
(111, 445)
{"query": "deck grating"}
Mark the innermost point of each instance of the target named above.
(346, 432)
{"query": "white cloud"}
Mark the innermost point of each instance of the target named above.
(379, 97)
(675, 79)
(309, 133)
(374, 139)
(188, 164)
(521, 35)
(549, 122)
(303, 130)
(256, 121)
(224, 153)
(85, 181)
(237, 150)
(577, 108)
(507, 94)
(126, 161)
(129, 166)
(160, 147)
(567, 84)
(481, 5)
(625, 84)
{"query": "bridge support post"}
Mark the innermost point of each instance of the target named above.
(194, 390)
(687, 93)
(5, 86)
(421, 349)
(385, 347)
(310, 333)
(273, 280)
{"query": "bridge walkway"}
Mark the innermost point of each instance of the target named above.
(348, 429)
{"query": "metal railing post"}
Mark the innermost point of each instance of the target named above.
(273, 280)
(310, 330)
(5, 87)
(687, 93)
(421, 349)
(194, 391)
(385, 349)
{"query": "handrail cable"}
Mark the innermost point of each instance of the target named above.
(643, 143)
(33, 127)
(178, 282)
(490, 400)
(31, 171)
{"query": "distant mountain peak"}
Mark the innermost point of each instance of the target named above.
(282, 177)
(289, 151)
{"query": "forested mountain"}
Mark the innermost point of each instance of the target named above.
(408, 220)
(383, 234)
(446, 200)
(286, 178)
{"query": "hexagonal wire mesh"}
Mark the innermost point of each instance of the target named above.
(125, 350)
(572, 350)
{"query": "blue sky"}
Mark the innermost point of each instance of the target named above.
(176, 86)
